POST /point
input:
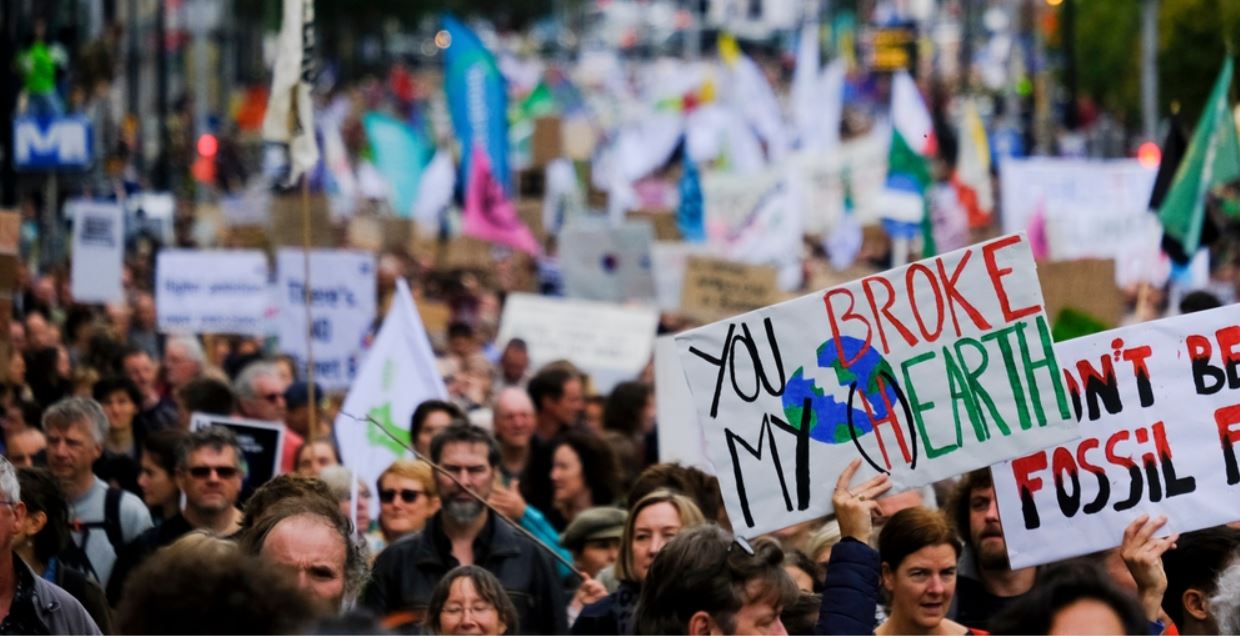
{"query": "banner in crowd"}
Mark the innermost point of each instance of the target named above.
(926, 371)
(607, 263)
(757, 219)
(680, 436)
(1075, 201)
(398, 374)
(212, 291)
(342, 306)
(611, 342)
(477, 101)
(98, 252)
(289, 117)
(262, 445)
(1159, 405)
(851, 178)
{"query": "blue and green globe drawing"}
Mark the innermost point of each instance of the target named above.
(829, 416)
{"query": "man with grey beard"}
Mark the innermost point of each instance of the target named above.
(464, 532)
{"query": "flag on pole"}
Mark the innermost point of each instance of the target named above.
(751, 95)
(806, 108)
(973, 167)
(290, 112)
(690, 215)
(1213, 158)
(477, 101)
(398, 374)
(400, 153)
(489, 214)
(903, 199)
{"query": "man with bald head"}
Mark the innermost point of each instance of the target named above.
(513, 421)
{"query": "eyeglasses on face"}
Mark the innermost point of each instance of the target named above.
(203, 472)
(388, 495)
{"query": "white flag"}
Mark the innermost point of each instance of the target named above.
(806, 107)
(399, 373)
(290, 112)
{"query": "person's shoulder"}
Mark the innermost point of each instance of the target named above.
(402, 547)
(73, 615)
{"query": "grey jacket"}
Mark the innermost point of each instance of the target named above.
(60, 612)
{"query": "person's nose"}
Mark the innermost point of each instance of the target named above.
(936, 585)
(992, 512)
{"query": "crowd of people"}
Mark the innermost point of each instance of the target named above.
(543, 508)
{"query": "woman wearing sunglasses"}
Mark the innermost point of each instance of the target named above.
(407, 498)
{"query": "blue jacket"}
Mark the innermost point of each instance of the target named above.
(850, 597)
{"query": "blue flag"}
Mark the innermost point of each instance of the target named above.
(690, 217)
(477, 101)
(400, 154)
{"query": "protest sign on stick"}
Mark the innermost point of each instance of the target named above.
(607, 263)
(212, 291)
(1159, 405)
(342, 307)
(98, 252)
(926, 371)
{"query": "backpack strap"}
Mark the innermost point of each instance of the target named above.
(112, 519)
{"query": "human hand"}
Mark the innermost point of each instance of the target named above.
(855, 507)
(1142, 553)
(508, 500)
(591, 591)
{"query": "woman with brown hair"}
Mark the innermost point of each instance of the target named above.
(653, 521)
(470, 600)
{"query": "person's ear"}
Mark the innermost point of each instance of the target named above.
(1196, 604)
(34, 523)
(889, 578)
(700, 624)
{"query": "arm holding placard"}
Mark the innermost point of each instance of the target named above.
(850, 598)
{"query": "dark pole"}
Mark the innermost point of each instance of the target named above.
(1072, 116)
(8, 100)
(161, 174)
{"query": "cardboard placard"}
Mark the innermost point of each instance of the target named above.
(547, 144)
(287, 221)
(212, 291)
(1087, 285)
(664, 222)
(931, 370)
(10, 230)
(1159, 406)
(714, 288)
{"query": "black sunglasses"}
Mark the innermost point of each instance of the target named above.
(202, 472)
(406, 495)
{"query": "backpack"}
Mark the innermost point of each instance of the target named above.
(75, 555)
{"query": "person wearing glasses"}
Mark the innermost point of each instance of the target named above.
(104, 519)
(208, 472)
(406, 498)
(465, 532)
(470, 600)
(260, 391)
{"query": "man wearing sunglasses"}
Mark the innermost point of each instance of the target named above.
(209, 474)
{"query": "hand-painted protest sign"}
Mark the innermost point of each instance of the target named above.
(680, 435)
(607, 263)
(714, 289)
(98, 251)
(262, 445)
(850, 178)
(212, 291)
(1159, 405)
(926, 371)
(757, 220)
(342, 304)
(1086, 286)
(611, 342)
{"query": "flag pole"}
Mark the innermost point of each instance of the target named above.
(311, 398)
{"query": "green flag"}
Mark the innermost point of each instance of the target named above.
(1213, 158)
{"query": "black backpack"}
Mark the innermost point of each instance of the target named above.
(75, 555)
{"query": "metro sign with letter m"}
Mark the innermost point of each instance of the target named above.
(52, 144)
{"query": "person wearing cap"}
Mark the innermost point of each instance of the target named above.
(594, 538)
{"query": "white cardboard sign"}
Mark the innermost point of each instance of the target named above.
(926, 371)
(1159, 405)
(212, 291)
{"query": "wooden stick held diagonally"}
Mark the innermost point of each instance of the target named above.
(437, 468)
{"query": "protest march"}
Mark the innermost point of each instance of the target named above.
(620, 317)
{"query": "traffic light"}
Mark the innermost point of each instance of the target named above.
(204, 164)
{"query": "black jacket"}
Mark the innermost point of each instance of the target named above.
(612, 615)
(850, 598)
(140, 549)
(405, 574)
